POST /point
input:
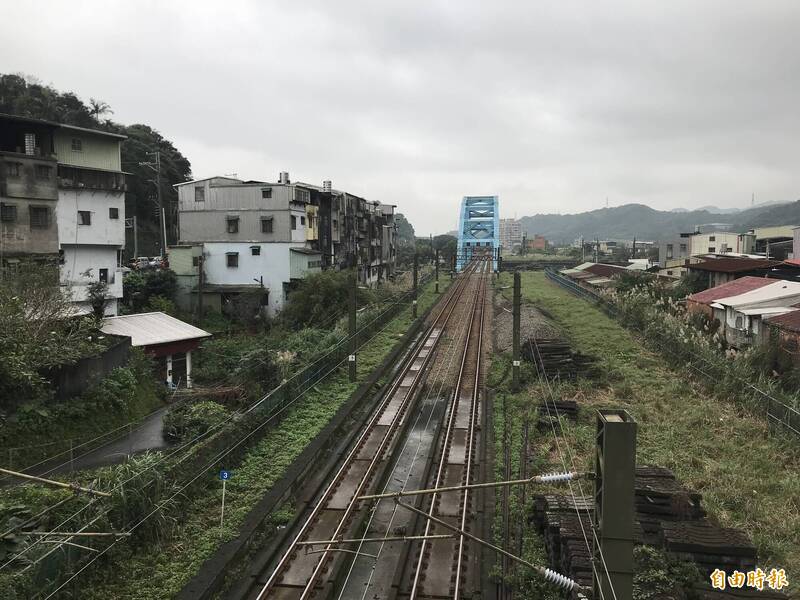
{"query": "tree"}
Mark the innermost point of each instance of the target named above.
(98, 108)
(321, 299)
(447, 245)
(405, 231)
(38, 330)
(97, 292)
(139, 288)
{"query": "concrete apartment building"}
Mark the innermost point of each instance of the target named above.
(510, 234)
(62, 196)
(91, 212)
(260, 237)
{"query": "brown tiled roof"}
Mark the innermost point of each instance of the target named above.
(733, 265)
(732, 288)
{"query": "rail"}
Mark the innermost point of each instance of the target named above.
(394, 406)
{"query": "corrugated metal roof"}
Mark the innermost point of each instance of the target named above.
(732, 265)
(777, 290)
(605, 270)
(767, 310)
(732, 288)
(789, 321)
(149, 329)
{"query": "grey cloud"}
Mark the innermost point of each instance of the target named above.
(552, 105)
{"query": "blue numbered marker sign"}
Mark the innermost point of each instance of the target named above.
(224, 475)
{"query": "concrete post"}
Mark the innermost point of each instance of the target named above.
(437, 270)
(169, 368)
(189, 370)
(414, 295)
(516, 325)
(351, 360)
(614, 511)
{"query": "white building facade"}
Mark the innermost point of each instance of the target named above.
(90, 214)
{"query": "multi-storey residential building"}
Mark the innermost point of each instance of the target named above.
(28, 190)
(260, 236)
(510, 234)
(90, 212)
(62, 194)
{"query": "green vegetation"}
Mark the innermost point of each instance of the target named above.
(35, 335)
(39, 430)
(747, 476)
(186, 421)
(150, 290)
(161, 569)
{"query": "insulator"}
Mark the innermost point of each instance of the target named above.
(559, 579)
(556, 477)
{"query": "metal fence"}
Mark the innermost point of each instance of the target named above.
(774, 410)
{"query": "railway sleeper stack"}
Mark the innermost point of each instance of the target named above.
(556, 358)
(668, 516)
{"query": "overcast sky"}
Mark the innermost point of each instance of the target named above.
(553, 106)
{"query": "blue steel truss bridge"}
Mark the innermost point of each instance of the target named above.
(478, 230)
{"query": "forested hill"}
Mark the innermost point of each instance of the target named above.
(640, 221)
(26, 97)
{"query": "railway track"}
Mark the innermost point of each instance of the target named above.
(304, 572)
(448, 568)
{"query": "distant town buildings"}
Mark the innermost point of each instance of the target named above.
(62, 197)
(510, 234)
(260, 237)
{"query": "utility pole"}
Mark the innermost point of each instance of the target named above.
(414, 301)
(515, 350)
(351, 360)
(155, 165)
(436, 267)
(583, 251)
(634, 247)
(614, 512)
(135, 238)
(596, 249)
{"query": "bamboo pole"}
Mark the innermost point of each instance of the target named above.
(69, 486)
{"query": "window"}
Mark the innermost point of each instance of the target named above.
(335, 225)
(683, 249)
(712, 249)
(669, 250)
(120, 258)
(302, 195)
(13, 169)
(233, 224)
(266, 225)
(77, 145)
(8, 213)
(255, 250)
(199, 194)
(232, 259)
(43, 171)
(302, 220)
(113, 212)
(84, 217)
(266, 192)
(294, 222)
(30, 144)
(40, 219)
(195, 261)
(712, 238)
(103, 276)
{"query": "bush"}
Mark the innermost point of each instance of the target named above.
(139, 287)
(187, 421)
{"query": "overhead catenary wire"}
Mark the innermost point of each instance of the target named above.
(209, 465)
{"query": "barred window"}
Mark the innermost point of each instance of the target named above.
(8, 213)
(40, 217)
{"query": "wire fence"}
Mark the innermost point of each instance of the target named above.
(761, 402)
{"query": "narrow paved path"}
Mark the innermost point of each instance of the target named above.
(147, 436)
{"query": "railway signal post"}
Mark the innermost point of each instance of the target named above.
(351, 359)
(515, 364)
(614, 513)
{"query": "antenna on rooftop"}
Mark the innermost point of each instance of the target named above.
(234, 175)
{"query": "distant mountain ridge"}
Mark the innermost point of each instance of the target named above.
(638, 220)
